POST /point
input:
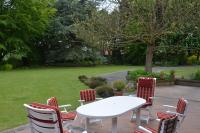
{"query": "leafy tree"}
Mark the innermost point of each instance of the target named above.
(145, 21)
(21, 22)
(155, 18)
(61, 44)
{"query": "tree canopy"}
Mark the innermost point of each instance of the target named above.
(145, 21)
(21, 22)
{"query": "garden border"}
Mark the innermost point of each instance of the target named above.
(186, 82)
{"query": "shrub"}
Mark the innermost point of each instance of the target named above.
(197, 75)
(92, 82)
(162, 75)
(192, 60)
(119, 85)
(172, 74)
(83, 78)
(104, 91)
(7, 67)
(134, 75)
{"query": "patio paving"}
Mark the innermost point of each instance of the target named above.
(166, 95)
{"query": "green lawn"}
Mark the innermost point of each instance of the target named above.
(25, 86)
(186, 72)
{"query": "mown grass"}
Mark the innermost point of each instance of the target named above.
(185, 72)
(25, 86)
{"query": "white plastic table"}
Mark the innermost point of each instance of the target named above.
(111, 107)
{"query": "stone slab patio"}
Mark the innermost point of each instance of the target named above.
(166, 95)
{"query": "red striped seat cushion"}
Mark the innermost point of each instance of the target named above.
(53, 102)
(88, 95)
(68, 116)
(162, 115)
(145, 89)
(181, 106)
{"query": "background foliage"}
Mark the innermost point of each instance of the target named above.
(21, 23)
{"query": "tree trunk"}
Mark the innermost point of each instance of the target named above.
(198, 54)
(149, 57)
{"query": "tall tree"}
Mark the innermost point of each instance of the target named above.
(147, 22)
(60, 44)
(156, 18)
(21, 22)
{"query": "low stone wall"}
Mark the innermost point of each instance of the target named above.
(186, 82)
(164, 83)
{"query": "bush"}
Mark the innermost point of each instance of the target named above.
(172, 74)
(7, 67)
(197, 75)
(134, 75)
(83, 78)
(105, 91)
(92, 82)
(119, 85)
(192, 60)
(138, 73)
(162, 75)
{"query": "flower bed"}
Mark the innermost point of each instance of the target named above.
(162, 78)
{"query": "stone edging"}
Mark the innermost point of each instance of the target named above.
(17, 129)
(187, 82)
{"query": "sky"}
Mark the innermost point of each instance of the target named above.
(108, 5)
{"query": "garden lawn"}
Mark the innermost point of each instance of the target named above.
(37, 85)
(185, 72)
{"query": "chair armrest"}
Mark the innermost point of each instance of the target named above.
(158, 120)
(81, 101)
(64, 107)
(169, 106)
(171, 112)
(144, 129)
(153, 98)
(98, 98)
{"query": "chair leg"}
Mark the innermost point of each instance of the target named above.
(101, 123)
(133, 116)
(151, 114)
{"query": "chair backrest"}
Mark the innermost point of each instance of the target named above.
(44, 118)
(182, 106)
(168, 125)
(53, 102)
(145, 88)
(88, 95)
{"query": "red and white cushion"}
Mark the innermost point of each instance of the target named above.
(42, 106)
(181, 105)
(64, 115)
(167, 125)
(163, 115)
(88, 95)
(68, 116)
(145, 89)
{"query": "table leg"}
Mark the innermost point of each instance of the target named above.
(86, 124)
(114, 125)
(137, 118)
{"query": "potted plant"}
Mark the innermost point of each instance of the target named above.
(172, 74)
(118, 87)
